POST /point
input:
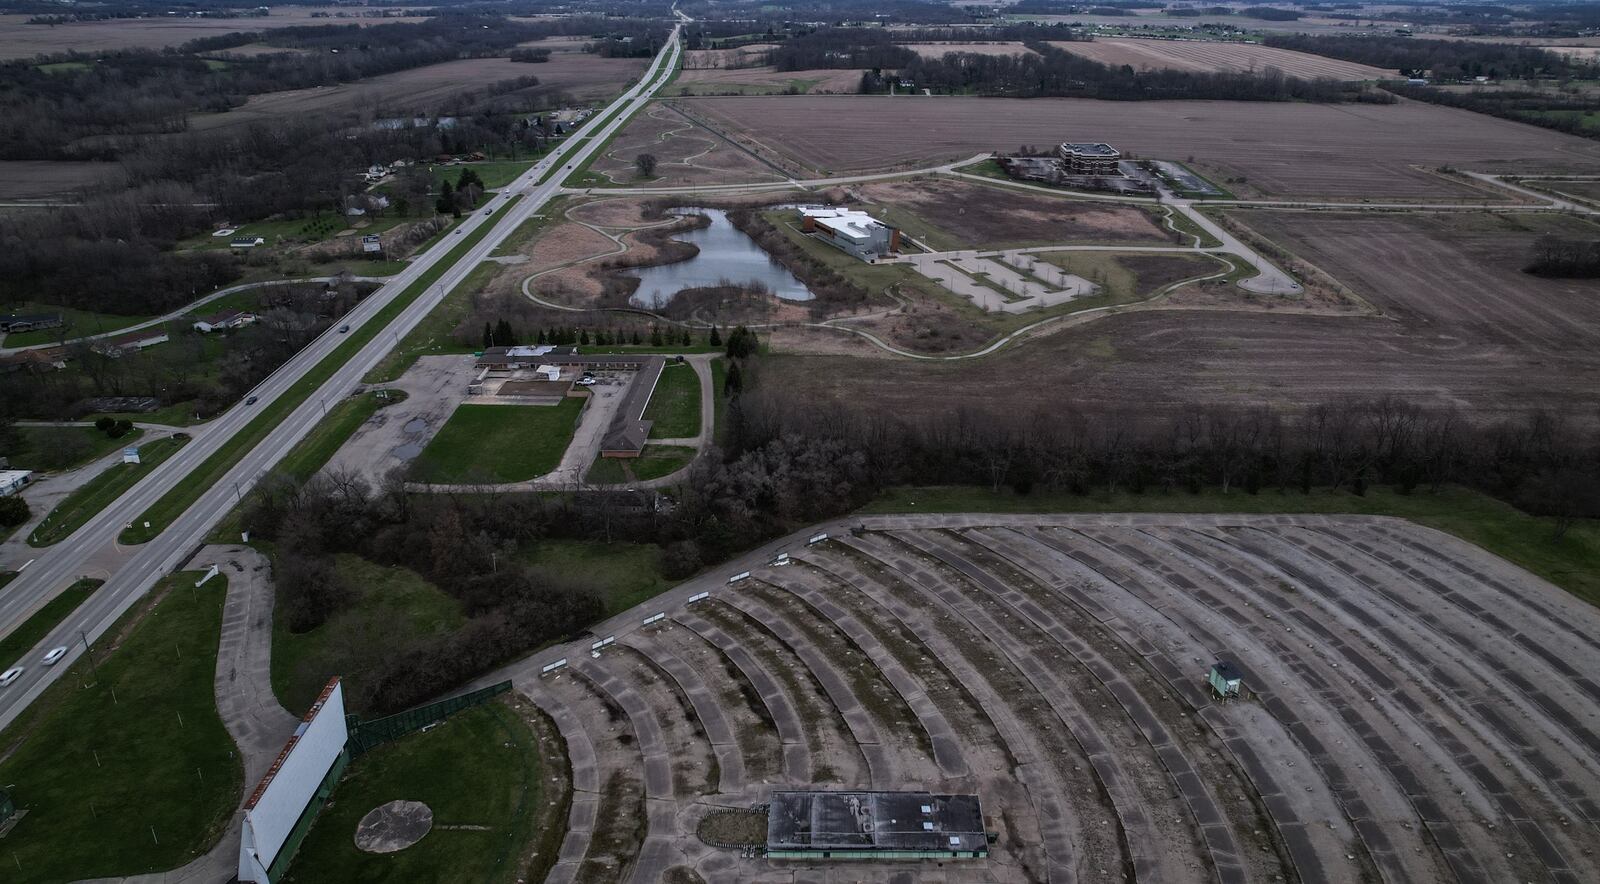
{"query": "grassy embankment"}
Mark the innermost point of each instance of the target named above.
(652, 463)
(624, 573)
(95, 495)
(498, 443)
(183, 495)
(1572, 561)
(136, 765)
(392, 608)
(482, 775)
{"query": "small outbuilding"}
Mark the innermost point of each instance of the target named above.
(12, 481)
(1226, 680)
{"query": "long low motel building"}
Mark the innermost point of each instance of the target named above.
(854, 232)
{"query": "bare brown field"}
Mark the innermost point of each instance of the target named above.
(41, 179)
(580, 76)
(977, 216)
(764, 81)
(1278, 149)
(1460, 326)
(686, 154)
(1218, 57)
(938, 50)
(21, 40)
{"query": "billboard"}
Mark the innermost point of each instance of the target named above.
(282, 797)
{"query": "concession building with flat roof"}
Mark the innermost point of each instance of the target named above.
(875, 826)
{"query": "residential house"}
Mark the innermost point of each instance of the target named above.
(225, 320)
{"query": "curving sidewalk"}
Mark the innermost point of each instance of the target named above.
(258, 724)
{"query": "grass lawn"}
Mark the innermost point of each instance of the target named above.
(495, 173)
(77, 323)
(675, 404)
(624, 573)
(479, 770)
(434, 333)
(184, 494)
(65, 448)
(498, 443)
(33, 630)
(391, 607)
(95, 495)
(652, 463)
(1572, 562)
(135, 773)
(178, 414)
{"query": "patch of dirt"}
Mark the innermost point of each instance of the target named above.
(392, 827)
(733, 828)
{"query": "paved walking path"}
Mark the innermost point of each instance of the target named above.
(258, 724)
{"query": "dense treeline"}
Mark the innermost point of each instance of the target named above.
(1049, 71)
(85, 107)
(841, 48)
(875, 48)
(1440, 59)
(832, 11)
(1564, 258)
(1561, 111)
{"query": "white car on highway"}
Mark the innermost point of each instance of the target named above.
(10, 676)
(55, 655)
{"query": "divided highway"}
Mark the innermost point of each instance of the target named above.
(134, 570)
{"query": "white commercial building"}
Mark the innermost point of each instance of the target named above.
(12, 481)
(855, 232)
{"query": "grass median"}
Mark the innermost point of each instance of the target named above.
(33, 630)
(127, 755)
(185, 493)
(98, 493)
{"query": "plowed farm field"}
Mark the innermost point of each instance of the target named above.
(21, 40)
(1209, 57)
(1413, 708)
(578, 75)
(1456, 325)
(1256, 148)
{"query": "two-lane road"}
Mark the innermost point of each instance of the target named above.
(137, 569)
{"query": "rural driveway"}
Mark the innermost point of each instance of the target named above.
(258, 724)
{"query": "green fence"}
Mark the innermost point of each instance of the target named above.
(368, 735)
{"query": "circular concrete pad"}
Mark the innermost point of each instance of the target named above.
(393, 826)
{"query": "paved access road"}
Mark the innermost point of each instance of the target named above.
(134, 571)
